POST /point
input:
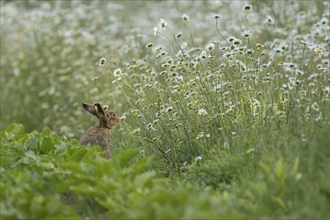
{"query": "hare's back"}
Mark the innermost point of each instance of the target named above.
(96, 136)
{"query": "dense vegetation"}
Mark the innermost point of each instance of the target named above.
(224, 108)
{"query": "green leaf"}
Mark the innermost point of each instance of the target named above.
(78, 153)
(15, 128)
(87, 190)
(279, 202)
(46, 132)
(124, 157)
(46, 165)
(47, 145)
(144, 178)
(141, 166)
(295, 166)
(12, 132)
(30, 154)
(72, 167)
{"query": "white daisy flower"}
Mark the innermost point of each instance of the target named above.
(102, 61)
(117, 72)
(210, 46)
(316, 107)
(162, 24)
(202, 112)
(185, 17)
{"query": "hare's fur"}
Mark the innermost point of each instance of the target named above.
(100, 135)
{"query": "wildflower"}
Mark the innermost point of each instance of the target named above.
(149, 45)
(123, 117)
(278, 50)
(318, 51)
(250, 150)
(315, 107)
(312, 76)
(217, 87)
(318, 118)
(291, 65)
(290, 85)
(231, 39)
(202, 112)
(210, 46)
(326, 90)
(248, 7)
(185, 17)
(323, 21)
(299, 72)
(270, 19)
(155, 30)
(168, 109)
(149, 126)
(200, 135)
(136, 131)
(256, 103)
(249, 51)
(237, 42)
(102, 61)
(241, 64)
(203, 55)
(325, 61)
(246, 33)
(285, 86)
(224, 48)
(163, 53)
(225, 93)
(199, 158)
(117, 72)
(162, 24)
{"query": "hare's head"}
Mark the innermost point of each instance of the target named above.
(107, 119)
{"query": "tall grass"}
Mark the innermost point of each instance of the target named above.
(192, 101)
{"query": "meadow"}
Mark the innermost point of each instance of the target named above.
(224, 105)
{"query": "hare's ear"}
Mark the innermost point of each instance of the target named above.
(99, 110)
(90, 108)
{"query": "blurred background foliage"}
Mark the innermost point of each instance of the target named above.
(50, 51)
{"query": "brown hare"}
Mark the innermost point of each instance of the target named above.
(100, 135)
